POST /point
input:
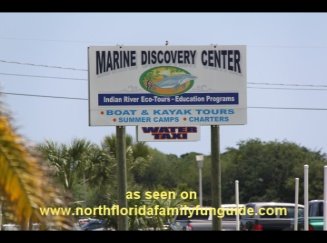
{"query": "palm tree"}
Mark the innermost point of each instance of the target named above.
(24, 183)
(68, 161)
(137, 154)
(139, 160)
(99, 166)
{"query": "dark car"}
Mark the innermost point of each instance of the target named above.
(95, 225)
(272, 216)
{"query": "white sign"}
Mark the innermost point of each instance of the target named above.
(167, 85)
(172, 134)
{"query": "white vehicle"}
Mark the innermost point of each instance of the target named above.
(10, 227)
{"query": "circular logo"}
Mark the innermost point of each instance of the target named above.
(166, 80)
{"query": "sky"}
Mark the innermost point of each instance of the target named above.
(282, 48)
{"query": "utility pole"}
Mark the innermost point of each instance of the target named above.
(306, 197)
(237, 202)
(325, 197)
(199, 160)
(215, 175)
(296, 209)
(122, 178)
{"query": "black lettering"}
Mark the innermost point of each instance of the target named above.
(224, 52)
(125, 59)
(133, 58)
(193, 53)
(100, 62)
(109, 62)
(116, 60)
(160, 57)
(210, 58)
(153, 57)
(167, 57)
(143, 57)
(173, 55)
(121, 59)
(237, 58)
(186, 57)
(217, 59)
(230, 60)
(204, 61)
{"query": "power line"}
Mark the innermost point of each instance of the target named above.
(251, 107)
(48, 40)
(44, 96)
(84, 79)
(102, 42)
(250, 87)
(41, 76)
(85, 70)
(283, 84)
(42, 65)
(287, 46)
(288, 108)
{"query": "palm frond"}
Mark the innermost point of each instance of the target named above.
(23, 181)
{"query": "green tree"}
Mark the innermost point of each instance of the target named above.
(161, 171)
(266, 171)
(100, 169)
(137, 156)
(69, 161)
(153, 222)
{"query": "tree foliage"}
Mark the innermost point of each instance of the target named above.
(24, 183)
(267, 171)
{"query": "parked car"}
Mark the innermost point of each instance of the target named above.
(274, 216)
(187, 222)
(316, 216)
(95, 225)
(10, 227)
(229, 220)
(203, 222)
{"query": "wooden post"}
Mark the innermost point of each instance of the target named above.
(215, 175)
(122, 178)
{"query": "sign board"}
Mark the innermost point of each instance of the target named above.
(172, 134)
(167, 85)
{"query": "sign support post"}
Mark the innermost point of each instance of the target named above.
(122, 179)
(215, 175)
